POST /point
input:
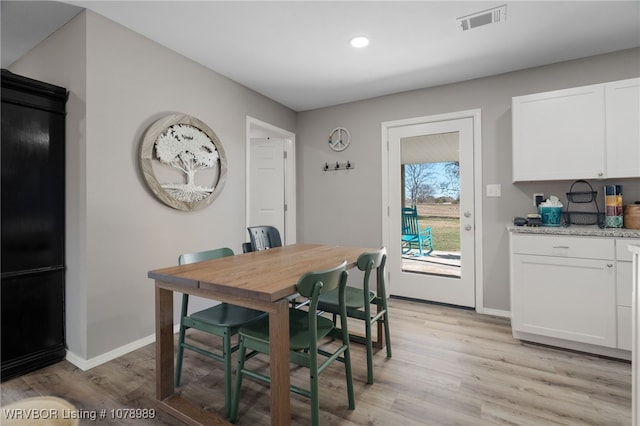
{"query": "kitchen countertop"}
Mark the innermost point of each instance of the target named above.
(576, 230)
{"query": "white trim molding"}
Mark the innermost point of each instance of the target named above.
(476, 115)
(88, 364)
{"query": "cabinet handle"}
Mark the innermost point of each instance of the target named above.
(609, 265)
(561, 247)
(601, 174)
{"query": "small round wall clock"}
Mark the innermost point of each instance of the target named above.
(339, 139)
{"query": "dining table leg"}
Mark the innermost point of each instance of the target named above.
(279, 362)
(164, 343)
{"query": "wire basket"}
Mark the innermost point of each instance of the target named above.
(583, 218)
(581, 196)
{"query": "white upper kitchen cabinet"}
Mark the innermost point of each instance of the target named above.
(623, 128)
(588, 132)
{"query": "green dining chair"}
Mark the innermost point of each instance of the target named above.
(222, 320)
(307, 331)
(359, 302)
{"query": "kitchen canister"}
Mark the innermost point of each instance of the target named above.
(632, 216)
(613, 206)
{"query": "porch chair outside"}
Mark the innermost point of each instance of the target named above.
(307, 330)
(222, 320)
(360, 300)
(413, 235)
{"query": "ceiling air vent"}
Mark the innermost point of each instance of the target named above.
(489, 16)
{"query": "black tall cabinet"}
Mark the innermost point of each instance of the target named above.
(32, 289)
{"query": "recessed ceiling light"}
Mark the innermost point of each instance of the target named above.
(359, 41)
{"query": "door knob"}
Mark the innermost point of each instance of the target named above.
(467, 214)
(467, 228)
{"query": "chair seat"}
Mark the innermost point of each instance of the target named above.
(354, 298)
(415, 238)
(225, 315)
(299, 336)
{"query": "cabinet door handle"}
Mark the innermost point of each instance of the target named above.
(609, 265)
(560, 251)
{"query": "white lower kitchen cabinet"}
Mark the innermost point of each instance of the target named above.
(566, 298)
(624, 289)
(635, 362)
(625, 329)
(564, 293)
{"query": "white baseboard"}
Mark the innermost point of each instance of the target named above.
(496, 312)
(87, 364)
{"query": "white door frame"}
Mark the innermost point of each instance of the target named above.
(475, 114)
(254, 129)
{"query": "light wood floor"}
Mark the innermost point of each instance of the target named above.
(449, 367)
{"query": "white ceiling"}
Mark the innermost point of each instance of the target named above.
(298, 52)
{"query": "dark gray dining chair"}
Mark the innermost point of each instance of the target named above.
(264, 237)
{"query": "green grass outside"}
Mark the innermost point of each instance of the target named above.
(445, 232)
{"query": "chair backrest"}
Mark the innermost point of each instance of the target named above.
(313, 284)
(264, 237)
(322, 281)
(370, 261)
(204, 255)
(410, 221)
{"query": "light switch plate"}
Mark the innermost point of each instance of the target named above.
(494, 190)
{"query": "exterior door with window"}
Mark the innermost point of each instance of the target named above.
(431, 167)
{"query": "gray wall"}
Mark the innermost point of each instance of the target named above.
(345, 208)
(120, 83)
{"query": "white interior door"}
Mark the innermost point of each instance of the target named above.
(267, 185)
(271, 178)
(433, 285)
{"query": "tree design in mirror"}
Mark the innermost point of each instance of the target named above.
(183, 162)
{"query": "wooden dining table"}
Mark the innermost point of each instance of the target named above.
(260, 280)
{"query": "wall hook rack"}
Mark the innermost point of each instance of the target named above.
(331, 167)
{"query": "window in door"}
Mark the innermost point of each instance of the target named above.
(430, 184)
